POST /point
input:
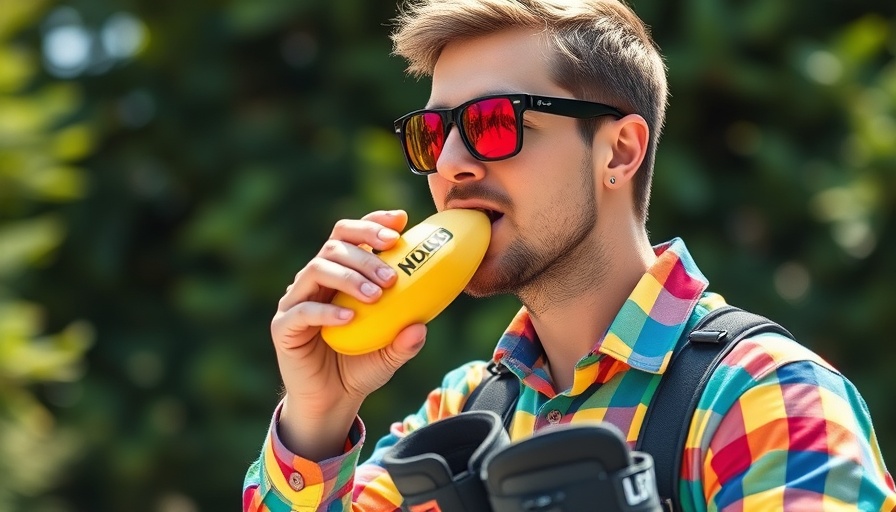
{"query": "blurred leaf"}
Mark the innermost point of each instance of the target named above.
(25, 242)
(56, 358)
(73, 143)
(18, 14)
(17, 67)
(34, 143)
(864, 39)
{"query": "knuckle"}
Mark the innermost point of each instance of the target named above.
(279, 325)
(315, 266)
(300, 275)
(300, 310)
(330, 249)
(390, 359)
(349, 275)
(340, 226)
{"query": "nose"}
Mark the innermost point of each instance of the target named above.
(455, 163)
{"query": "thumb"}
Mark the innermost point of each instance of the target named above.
(406, 345)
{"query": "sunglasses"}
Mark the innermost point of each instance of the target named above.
(491, 127)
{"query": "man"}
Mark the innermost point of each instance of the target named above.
(777, 428)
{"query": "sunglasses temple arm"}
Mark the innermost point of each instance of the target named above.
(572, 108)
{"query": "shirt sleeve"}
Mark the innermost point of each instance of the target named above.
(778, 428)
(282, 481)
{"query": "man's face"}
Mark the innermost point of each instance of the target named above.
(545, 194)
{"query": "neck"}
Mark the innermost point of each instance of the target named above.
(572, 305)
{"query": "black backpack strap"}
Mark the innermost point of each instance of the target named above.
(498, 392)
(675, 400)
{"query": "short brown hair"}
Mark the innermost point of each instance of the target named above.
(606, 53)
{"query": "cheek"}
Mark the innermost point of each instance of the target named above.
(438, 187)
(558, 166)
(557, 144)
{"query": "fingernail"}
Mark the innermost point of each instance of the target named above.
(385, 273)
(369, 289)
(344, 314)
(387, 235)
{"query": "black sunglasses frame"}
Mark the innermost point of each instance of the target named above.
(567, 107)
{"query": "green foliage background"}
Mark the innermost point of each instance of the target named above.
(153, 211)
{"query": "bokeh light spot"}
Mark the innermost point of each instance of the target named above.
(792, 281)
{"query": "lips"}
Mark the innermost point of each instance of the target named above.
(493, 215)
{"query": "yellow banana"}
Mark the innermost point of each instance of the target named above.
(434, 261)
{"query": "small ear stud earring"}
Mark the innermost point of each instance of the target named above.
(612, 180)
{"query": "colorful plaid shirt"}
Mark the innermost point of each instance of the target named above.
(777, 428)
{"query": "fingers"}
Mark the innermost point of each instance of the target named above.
(379, 230)
(394, 219)
(345, 264)
(343, 267)
(406, 345)
(289, 327)
(371, 371)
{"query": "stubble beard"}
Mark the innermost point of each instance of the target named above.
(547, 268)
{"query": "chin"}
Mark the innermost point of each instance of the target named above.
(480, 292)
(488, 281)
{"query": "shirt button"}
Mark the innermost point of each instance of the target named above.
(554, 417)
(296, 481)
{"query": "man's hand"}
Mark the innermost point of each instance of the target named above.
(325, 389)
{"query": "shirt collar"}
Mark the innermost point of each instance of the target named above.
(644, 332)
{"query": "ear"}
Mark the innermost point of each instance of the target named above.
(627, 139)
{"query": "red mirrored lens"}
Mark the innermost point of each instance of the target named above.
(490, 126)
(424, 138)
